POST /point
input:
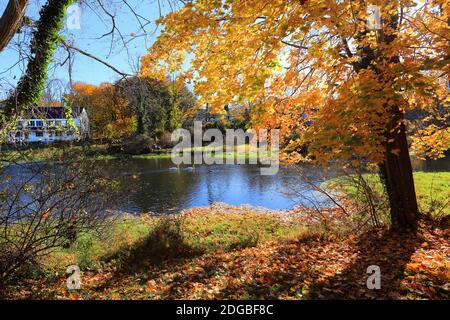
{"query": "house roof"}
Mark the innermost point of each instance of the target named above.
(47, 112)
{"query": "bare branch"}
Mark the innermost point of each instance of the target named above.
(69, 46)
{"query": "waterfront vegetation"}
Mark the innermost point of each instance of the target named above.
(95, 151)
(223, 252)
(29, 153)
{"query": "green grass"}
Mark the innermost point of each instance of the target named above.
(98, 152)
(432, 189)
(101, 152)
(164, 154)
(36, 152)
(21, 155)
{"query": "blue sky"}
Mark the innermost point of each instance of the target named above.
(93, 24)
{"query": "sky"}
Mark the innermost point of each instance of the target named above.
(93, 22)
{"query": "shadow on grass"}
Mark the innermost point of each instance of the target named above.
(164, 244)
(295, 269)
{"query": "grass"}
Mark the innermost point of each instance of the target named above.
(432, 190)
(165, 238)
(165, 154)
(35, 152)
(96, 151)
(101, 152)
(89, 250)
(206, 254)
(29, 154)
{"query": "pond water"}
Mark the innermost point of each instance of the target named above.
(155, 185)
(159, 188)
(439, 165)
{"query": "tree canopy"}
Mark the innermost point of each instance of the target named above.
(133, 105)
(348, 69)
(319, 58)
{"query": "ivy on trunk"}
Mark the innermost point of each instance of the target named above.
(43, 44)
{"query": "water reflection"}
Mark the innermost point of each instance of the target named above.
(153, 185)
(160, 188)
(156, 185)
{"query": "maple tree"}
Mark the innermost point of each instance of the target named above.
(108, 109)
(328, 71)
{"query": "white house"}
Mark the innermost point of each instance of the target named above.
(49, 124)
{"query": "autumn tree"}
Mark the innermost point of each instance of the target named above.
(349, 68)
(107, 107)
(46, 34)
(181, 102)
(37, 215)
(146, 97)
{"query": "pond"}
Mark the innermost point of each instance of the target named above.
(155, 185)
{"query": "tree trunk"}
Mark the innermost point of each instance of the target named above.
(396, 170)
(140, 124)
(10, 21)
(397, 175)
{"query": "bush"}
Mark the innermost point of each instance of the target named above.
(71, 197)
(166, 140)
(139, 144)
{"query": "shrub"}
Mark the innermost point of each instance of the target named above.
(166, 140)
(47, 206)
(139, 144)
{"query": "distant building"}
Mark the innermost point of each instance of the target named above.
(49, 124)
(205, 115)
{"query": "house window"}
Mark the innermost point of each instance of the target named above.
(32, 123)
(39, 123)
(39, 133)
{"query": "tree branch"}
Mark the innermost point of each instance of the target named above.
(293, 45)
(87, 54)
